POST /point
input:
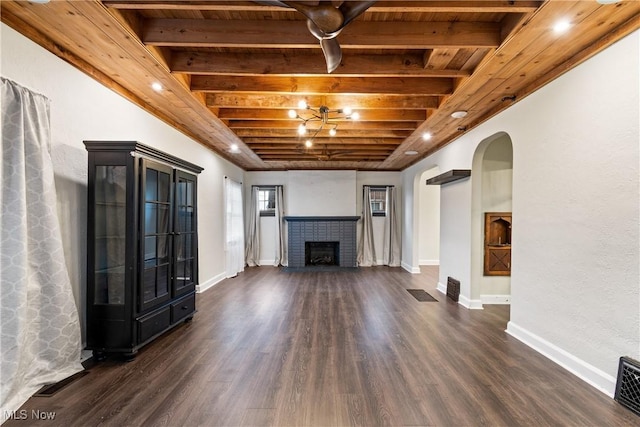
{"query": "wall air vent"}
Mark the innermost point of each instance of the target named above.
(628, 385)
(453, 288)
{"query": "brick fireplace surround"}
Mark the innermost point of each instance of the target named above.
(303, 229)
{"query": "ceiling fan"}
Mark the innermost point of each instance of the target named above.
(324, 154)
(325, 21)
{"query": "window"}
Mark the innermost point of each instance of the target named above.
(378, 198)
(267, 201)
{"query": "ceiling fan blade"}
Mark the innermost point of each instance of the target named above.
(332, 53)
(352, 9)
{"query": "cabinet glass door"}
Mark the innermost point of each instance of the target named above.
(110, 190)
(185, 234)
(156, 227)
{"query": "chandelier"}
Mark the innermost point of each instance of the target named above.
(326, 116)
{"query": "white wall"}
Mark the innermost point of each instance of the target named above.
(576, 198)
(82, 109)
(318, 193)
(429, 219)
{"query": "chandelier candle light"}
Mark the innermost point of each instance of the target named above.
(322, 114)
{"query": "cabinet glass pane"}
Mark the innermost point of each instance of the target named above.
(164, 187)
(163, 219)
(149, 284)
(151, 189)
(150, 218)
(150, 252)
(188, 245)
(163, 249)
(110, 234)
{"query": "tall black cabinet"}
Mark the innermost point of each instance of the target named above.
(142, 245)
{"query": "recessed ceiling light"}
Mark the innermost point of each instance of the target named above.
(292, 114)
(426, 136)
(156, 86)
(459, 114)
(308, 143)
(355, 116)
(332, 131)
(302, 129)
(234, 148)
(39, 1)
(302, 104)
(561, 26)
(411, 153)
(608, 1)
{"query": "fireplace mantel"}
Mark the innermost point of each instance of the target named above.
(340, 229)
(321, 218)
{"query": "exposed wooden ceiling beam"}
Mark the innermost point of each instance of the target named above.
(356, 101)
(323, 85)
(342, 125)
(370, 133)
(295, 141)
(365, 115)
(308, 64)
(294, 34)
(319, 141)
(381, 6)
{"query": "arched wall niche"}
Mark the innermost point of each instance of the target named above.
(492, 191)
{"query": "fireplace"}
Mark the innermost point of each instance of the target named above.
(321, 253)
(321, 241)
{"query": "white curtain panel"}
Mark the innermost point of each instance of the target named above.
(391, 241)
(366, 247)
(234, 226)
(281, 257)
(252, 251)
(40, 325)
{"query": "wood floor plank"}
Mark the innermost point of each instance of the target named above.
(272, 348)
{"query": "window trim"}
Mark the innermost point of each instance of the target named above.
(267, 212)
(379, 213)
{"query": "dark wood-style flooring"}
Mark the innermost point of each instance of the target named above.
(271, 348)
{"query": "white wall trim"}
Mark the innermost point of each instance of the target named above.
(410, 269)
(588, 373)
(471, 304)
(429, 262)
(496, 299)
(442, 288)
(210, 283)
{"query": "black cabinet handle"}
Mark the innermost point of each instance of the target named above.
(185, 307)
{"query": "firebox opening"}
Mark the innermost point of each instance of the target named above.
(322, 253)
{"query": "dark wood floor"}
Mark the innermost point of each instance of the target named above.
(333, 349)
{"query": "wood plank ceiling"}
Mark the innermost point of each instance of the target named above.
(231, 70)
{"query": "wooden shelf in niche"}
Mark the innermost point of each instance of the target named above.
(450, 176)
(497, 244)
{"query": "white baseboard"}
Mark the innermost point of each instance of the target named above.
(496, 299)
(410, 269)
(471, 304)
(474, 304)
(210, 283)
(588, 373)
(429, 262)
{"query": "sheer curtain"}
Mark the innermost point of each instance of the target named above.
(252, 251)
(280, 258)
(40, 324)
(366, 248)
(234, 239)
(391, 242)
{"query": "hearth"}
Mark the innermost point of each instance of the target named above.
(321, 253)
